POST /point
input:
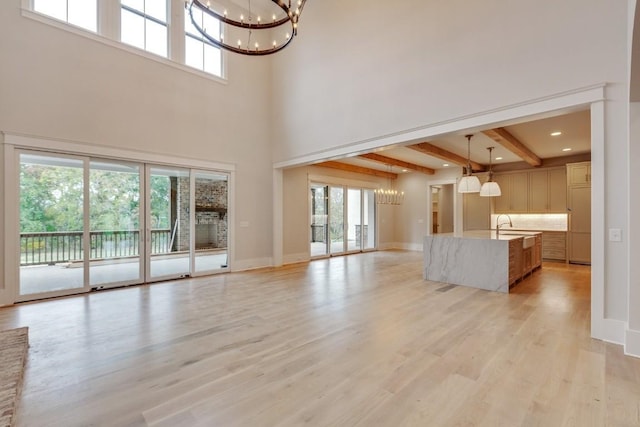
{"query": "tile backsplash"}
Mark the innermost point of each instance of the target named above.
(554, 222)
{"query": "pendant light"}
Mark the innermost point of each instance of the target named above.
(469, 183)
(490, 188)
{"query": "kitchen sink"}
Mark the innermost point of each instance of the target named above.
(528, 242)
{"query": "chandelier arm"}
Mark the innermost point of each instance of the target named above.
(290, 17)
(232, 48)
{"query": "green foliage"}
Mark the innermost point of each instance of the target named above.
(51, 199)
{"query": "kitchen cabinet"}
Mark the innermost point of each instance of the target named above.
(554, 245)
(579, 174)
(537, 252)
(548, 191)
(579, 208)
(514, 189)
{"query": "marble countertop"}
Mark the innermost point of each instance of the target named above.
(489, 234)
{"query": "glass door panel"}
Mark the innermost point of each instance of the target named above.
(319, 220)
(336, 220)
(354, 219)
(52, 224)
(168, 222)
(368, 219)
(211, 231)
(114, 218)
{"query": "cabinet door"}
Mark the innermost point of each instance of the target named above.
(557, 191)
(519, 192)
(502, 203)
(580, 247)
(538, 191)
(579, 204)
(579, 174)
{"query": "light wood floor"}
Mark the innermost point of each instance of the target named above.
(351, 341)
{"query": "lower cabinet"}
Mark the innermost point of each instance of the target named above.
(515, 261)
(554, 245)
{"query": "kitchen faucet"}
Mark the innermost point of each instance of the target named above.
(504, 223)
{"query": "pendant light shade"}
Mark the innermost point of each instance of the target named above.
(469, 183)
(490, 188)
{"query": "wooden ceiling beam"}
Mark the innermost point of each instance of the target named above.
(396, 162)
(433, 151)
(358, 169)
(513, 144)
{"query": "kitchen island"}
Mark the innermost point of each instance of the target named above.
(482, 259)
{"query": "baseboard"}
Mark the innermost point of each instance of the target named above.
(295, 258)
(613, 331)
(418, 247)
(252, 264)
(632, 343)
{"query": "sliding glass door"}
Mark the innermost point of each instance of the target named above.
(53, 225)
(342, 220)
(168, 233)
(114, 218)
(88, 223)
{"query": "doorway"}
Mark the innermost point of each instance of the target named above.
(342, 220)
(442, 210)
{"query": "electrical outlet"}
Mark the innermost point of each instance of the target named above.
(615, 235)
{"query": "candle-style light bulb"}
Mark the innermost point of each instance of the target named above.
(274, 17)
(256, 45)
(239, 42)
(241, 18)
(287, 35)
(259, 19)
(274, 43)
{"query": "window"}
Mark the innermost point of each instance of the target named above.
(199, 52)
(82, 13)
(143, 24)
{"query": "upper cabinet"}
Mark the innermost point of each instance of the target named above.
(536, 191)
(548, 191)
(579, 174)
(513, 187)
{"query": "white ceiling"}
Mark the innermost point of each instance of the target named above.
(536, 135)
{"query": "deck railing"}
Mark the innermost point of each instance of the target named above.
(66, 246)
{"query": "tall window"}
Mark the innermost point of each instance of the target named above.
(143, 24)
(199, 53)
(82, 13)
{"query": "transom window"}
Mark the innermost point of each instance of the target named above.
(143, 24)
(81, 13)
(199, 52)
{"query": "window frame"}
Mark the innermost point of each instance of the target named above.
(108, 33)
(204, 43)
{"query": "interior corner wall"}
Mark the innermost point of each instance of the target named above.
(61, 85)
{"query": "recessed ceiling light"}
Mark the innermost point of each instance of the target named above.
(566, 149)
(446, 165)
(404, 170)
(556, 133)
(498, 158)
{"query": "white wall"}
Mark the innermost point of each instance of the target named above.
(60, 85)
(356, 87)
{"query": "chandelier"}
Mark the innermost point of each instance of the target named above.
(389, 196)
(248, 31)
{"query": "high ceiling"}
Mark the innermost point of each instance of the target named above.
(532, 138)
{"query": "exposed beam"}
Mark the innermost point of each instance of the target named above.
(395, 162)
(511, 143)
(433, 151)
(358, 169)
